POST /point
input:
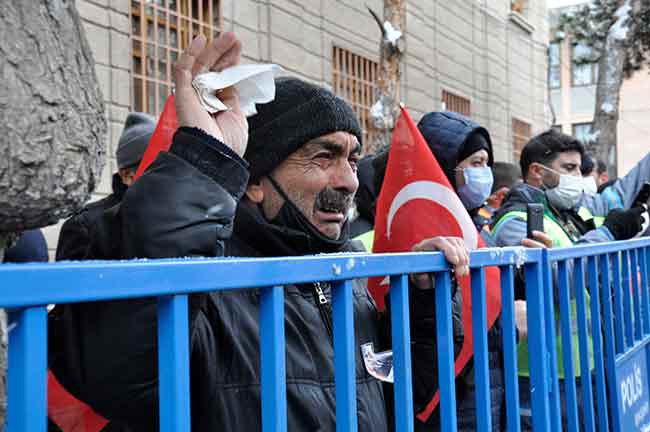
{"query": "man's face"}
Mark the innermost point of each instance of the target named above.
(477, 159)
(564, 163)
(320, 178)
(127, 175)
(601, 178)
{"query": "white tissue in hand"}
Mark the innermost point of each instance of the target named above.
(255, 84)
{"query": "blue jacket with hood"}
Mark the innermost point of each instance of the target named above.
(446, 134)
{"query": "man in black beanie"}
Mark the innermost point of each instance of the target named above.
(303, 150)
(288, 195)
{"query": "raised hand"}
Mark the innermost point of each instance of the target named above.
(230, 126)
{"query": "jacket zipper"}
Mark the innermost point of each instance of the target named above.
(323, 307)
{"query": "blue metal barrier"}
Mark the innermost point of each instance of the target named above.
(614, 341)
(28, 288)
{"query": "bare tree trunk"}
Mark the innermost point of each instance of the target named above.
(610, 79)
(385, 110)
(52, 133)
(53, 126)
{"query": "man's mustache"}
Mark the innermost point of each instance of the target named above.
(333, 200)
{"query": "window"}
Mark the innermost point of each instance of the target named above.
(584, 68)
(455, 103)
(521, 133)
(160, 30)
(354, 79)
(554, 65)
(582, 131)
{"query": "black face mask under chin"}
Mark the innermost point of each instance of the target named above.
(292, 218)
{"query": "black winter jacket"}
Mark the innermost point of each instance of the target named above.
(74, 238)
(184, 205)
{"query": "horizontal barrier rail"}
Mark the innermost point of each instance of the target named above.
(74, 282)
(28, 288)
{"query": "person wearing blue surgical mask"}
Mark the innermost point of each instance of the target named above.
(463, 149)
(474, 180)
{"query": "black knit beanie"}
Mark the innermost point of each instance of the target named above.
(299, 113)
(475, 141)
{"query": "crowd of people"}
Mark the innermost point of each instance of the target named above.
(290, 181)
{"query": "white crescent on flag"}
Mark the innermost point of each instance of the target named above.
(441, 195)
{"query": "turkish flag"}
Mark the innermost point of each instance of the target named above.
(417, 202)
(161, 139)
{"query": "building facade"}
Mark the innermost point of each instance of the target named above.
(483, 58)
(572, 86)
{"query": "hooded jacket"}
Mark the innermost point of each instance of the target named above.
(106, 353)
(446, 134)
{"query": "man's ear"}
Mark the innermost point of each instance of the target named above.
(535, 173)
(254, 192)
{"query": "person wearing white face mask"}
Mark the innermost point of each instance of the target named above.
(550, 164)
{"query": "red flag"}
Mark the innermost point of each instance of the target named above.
(162, 136)
(417, 202)
(68, 412)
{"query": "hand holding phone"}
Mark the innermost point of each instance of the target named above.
(534, 219)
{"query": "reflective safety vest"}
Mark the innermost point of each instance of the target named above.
(368, 239)
(560, 239)
(585, 215)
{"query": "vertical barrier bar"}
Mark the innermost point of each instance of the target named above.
(627, 301)
(344, 355)
(601, 391)
(566, 326)
(481, 369)
(610, 343)
(615, 261)
(646, 287)
(401, 335)
(643, 268)
(444, 334)
(272, 360)
(549, 305)
(636, 299)
(174, 364)
(583, 343)
(537, 346)
(510, 348)
(27, 370)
